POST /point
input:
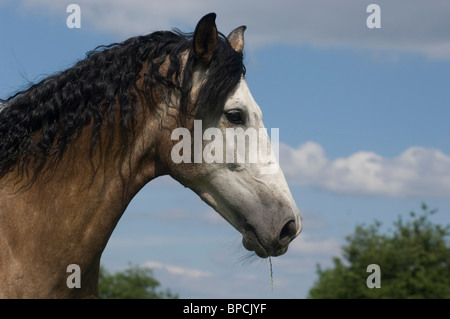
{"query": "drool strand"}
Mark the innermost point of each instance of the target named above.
(271, 274)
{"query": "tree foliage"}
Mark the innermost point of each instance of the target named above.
(133, 283)
(414, 260)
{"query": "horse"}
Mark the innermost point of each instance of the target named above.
(76, 147)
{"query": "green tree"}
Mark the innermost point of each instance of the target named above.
(414, 260)
(133, 283)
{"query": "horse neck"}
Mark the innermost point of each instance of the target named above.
(68, 213)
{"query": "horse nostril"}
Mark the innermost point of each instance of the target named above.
(288, 231)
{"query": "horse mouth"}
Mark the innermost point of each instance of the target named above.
(251, 242)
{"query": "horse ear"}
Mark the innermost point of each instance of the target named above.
(236, 38)
(205, 37)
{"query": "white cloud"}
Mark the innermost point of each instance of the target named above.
(306, 245)
(406, 25)
(416, 172)
(175, 270)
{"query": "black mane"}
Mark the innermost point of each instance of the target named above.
(40, 122)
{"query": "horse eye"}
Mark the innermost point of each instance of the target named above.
(235, 117)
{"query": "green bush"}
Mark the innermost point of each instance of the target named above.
(414, 260)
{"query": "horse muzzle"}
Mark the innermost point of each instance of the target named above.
(264, 246)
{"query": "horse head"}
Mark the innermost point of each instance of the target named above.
(223, 151)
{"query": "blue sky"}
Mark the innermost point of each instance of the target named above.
(363, 118)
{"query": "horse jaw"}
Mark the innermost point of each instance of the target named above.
(260, 207)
